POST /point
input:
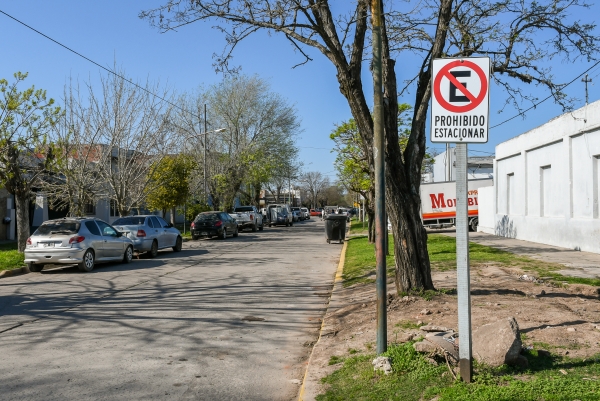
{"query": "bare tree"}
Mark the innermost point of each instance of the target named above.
(519, 36)
(74, 180)
(314, 183)
(133, 136)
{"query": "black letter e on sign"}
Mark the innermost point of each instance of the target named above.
(453, 96)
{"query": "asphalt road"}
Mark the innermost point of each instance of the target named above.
(182, 326)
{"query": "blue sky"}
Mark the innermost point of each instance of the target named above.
(111, 30)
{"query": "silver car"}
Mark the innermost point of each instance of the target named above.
(149, 233)
(75, 240)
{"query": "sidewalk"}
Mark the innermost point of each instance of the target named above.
(580, 264)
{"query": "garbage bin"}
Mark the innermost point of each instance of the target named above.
(335, 227)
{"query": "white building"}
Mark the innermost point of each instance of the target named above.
(444, 166)
(546, 185)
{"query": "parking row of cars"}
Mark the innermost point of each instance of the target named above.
(87, 241)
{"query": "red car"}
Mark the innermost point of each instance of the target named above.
(315, 212)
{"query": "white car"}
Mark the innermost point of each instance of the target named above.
(149, 233)
(305, 213)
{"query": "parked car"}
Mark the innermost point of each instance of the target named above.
(305, 213)
(76, 240)
(149, 233)
(280, 214)
(214, 224)
(296, 214)
(248, 217)
(315, 212)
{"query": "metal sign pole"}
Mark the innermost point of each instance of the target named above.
(462, 264)
(379, 165)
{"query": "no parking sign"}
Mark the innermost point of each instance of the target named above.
(460, 100)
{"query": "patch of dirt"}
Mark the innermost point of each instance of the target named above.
(563, 320)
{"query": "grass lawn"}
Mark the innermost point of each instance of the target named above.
(360, 260)
(414, 378)
(10, 258)
(188, 234)
(442, 254)
(548, 378)
(356, 227)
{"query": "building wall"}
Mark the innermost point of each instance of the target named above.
(547, 183)
(485, 198)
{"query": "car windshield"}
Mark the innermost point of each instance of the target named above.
(130, 221)
(58, 227)
(296, 209)
(208, 217)
(244, 209)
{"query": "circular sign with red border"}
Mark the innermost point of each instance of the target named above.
(474, 100)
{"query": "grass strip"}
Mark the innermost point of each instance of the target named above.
(356, 227)
(442, 254)
(360, 260)
(10, 257)
(415, 377)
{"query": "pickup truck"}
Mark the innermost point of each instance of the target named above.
(248, 217)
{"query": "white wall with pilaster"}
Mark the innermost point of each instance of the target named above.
(547, 183)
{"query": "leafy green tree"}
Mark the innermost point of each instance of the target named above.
(252, 132)
(172, 188)
(26, 120)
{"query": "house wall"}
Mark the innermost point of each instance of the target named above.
(547, 183)
(485, 199)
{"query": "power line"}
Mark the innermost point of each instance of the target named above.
(548, 97)
(101, 66)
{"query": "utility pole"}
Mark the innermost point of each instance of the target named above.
(205, 145)
(586, 80)
(379, 164)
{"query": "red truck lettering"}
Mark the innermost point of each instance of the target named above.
(437, 201)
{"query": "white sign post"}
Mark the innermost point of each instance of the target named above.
(459, 114)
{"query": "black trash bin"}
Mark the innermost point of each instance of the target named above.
(335, 227)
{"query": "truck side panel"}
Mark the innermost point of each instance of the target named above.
(438, 201)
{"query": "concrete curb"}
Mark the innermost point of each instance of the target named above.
(14, 272)
(337, 280)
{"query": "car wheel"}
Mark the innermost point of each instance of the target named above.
(292, 224)
(254, 228)
(195, 237)
(34, 268)
(87, 264)
(128, 255)
(236, 232)
(224, 235)
(287, 223)
(178, 244)
(153, 250)
(261, 227)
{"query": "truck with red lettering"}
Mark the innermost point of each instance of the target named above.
(438, 203)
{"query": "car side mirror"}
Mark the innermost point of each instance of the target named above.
(169, 225)
(119, 234)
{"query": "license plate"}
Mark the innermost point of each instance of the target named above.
(46, 244)
(204, 233)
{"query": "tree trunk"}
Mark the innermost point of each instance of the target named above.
(403, 171)
(371, 224)
(173, 215)
(22, 206)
